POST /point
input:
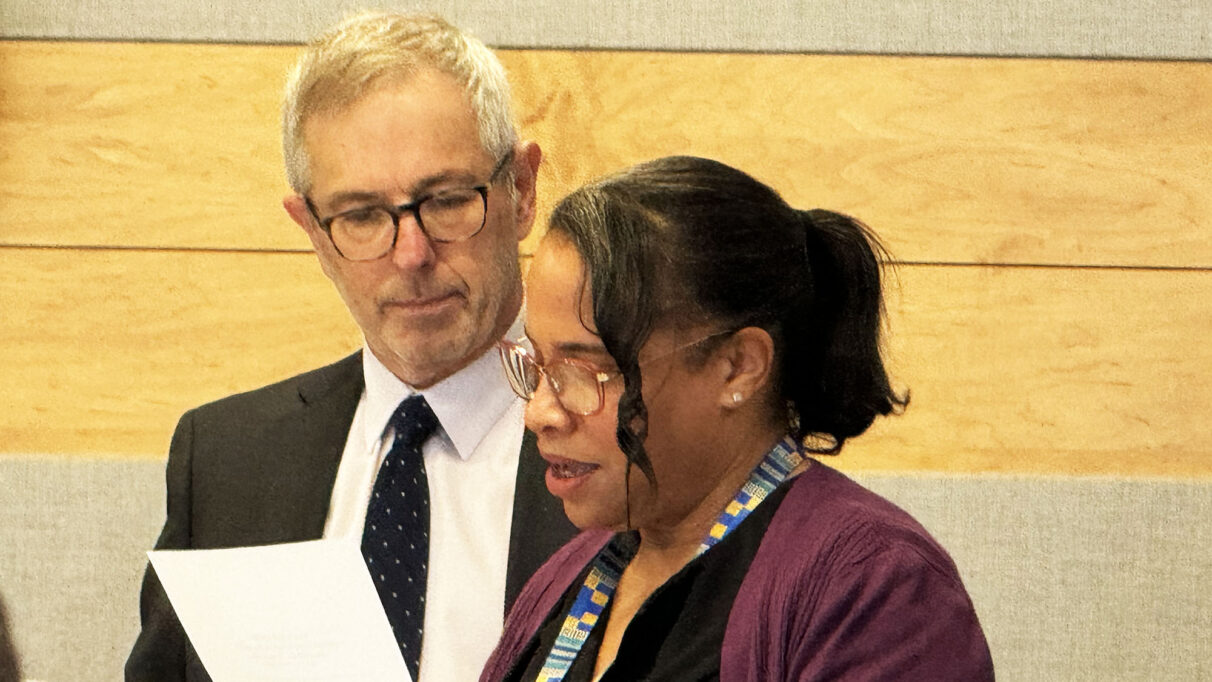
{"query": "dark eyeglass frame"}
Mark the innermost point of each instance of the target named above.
(413, 207)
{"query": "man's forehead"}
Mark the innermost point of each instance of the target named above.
(402, 135)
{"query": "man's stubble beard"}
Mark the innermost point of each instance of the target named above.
(429, 356)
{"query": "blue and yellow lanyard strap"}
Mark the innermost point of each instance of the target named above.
(608, 566)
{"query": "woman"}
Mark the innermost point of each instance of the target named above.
(693, 337)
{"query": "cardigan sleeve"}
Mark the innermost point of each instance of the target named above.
(894, 613)
(846, 586)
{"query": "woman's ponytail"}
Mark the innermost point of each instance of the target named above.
(834, 376)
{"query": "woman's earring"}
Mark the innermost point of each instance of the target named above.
(737, 397)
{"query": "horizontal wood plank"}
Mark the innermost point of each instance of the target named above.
(104, 350)
(143, 145)
(1047, 371)
(1010, 369)
(951, 159)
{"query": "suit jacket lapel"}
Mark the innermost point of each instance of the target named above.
(539, 525)
(312, 440)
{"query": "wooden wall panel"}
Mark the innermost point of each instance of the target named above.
(952, 159)
(142, 145)
(1011, 369)
(105, 349)
(1047, 370)
(151, 150)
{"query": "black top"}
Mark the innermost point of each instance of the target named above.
(678, 632)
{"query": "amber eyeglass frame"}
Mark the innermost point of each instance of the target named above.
(515, 355)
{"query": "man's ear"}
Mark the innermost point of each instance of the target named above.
(748, 368)
(526, 159)
(296, 208)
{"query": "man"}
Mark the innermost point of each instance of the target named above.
(410, 182)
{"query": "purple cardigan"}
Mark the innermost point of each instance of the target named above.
(845, 586)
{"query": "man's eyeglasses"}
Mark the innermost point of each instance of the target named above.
(577, 385)
(370, 232)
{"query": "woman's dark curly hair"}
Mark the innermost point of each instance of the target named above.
(694, 240)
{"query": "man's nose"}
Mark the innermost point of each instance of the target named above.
(413, 247)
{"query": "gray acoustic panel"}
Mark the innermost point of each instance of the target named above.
(1152, 29)
(73, 539)
(1073, 578)
(1082, 578)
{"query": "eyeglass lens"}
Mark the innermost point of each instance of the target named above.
(449, 216)
(576, 387)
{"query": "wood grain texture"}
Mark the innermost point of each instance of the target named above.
(1029, 370)
(104, 350)
(143, 145)
(1010, 369)
(951, 159)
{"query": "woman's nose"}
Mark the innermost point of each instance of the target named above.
(544, 410)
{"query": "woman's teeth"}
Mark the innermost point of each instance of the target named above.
(570, 469)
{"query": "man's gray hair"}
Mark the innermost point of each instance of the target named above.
(349, 60)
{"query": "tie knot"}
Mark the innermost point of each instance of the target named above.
(413, 421)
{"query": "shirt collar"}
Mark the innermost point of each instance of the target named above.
(467, 403)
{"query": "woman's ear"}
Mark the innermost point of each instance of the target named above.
(748, 368)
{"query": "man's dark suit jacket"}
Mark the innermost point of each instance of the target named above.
(258, 468)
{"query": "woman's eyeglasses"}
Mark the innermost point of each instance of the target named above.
(576, 384)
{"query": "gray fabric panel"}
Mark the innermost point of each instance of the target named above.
(1180, 29)
(73, 537)
(1077, 578)
(1073, 578)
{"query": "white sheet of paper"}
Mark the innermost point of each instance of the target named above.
(299, 612)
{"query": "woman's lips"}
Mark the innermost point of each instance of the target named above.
(566, 475)
(568, 468)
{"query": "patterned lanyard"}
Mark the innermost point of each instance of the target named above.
(603, 577)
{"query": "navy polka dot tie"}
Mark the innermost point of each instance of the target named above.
(395, 540)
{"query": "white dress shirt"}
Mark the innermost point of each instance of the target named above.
(471, 463)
